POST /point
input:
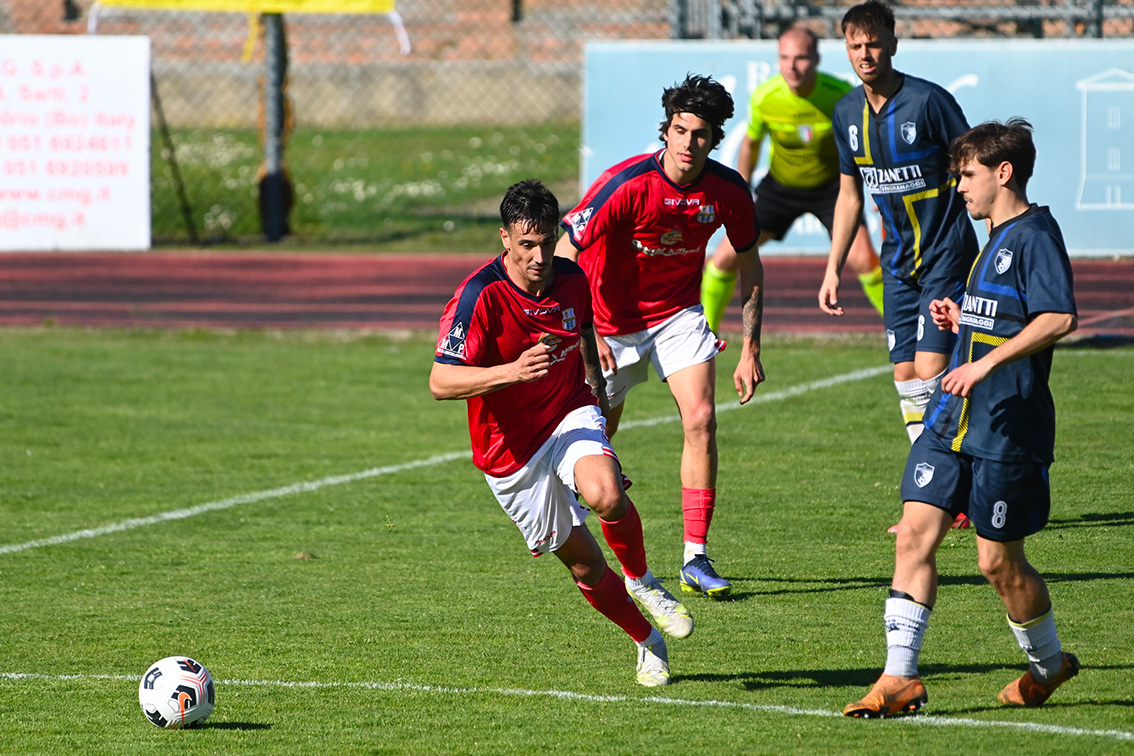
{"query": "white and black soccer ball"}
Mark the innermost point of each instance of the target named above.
(177, 692)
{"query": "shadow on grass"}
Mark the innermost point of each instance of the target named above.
(837, 678)
(779, 586)
(1092, 519)
(864, 678)
(233, 726)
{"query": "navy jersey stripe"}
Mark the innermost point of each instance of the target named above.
(646, 165)
(490, 274)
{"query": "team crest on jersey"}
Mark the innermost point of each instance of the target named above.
(669, 238)
(805, 133)
(1003, 261)
(580, 219)
(922, 474)
(453, 343)
(909, 132)
(707, 214)
(569, 319)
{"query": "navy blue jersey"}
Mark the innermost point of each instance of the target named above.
(902, 155)
(1010, 417)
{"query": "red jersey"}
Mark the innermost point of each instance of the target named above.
(642, 238)
(491, 321)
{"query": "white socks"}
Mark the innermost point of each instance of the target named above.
(692, 550)
(1041, 643)
(906, 623)
(640, 582)
(913, 399)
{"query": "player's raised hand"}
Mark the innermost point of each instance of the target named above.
(946, 314)
(829, 295)
(533, 364)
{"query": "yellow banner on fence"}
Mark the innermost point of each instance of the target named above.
(262, 6)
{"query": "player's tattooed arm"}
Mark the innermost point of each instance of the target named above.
(592, 365)
(749, 372)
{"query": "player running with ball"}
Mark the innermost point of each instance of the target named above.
(517, 343)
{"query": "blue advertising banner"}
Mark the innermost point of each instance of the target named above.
(1078, 94)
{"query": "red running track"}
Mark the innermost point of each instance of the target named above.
(395, 292)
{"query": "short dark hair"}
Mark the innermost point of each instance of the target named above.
(872, 17)
(703, 97)
(992, 143)
(528, 205)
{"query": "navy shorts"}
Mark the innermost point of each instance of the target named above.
(778, 206)
(1007, 501)
(909, 326)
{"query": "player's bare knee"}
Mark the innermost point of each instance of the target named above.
(606, 499)
(1001, 571)
(914, 543)
(699, 420)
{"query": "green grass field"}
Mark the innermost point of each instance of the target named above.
(399, 190)
(296, 512)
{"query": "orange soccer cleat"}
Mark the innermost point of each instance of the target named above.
(890, 697)
(1028, 691)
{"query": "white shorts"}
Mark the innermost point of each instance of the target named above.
(682, 341)
(541, 497)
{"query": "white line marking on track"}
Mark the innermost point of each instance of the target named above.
(336, 480)
(921, 719)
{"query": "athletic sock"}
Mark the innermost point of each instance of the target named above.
(872, 286)
(624, 537)
(693, 550)
(1040, 642)
(612, 601)
(653, 640)
(717, 288)
(913, 398)
(906, 622)
(697, 506)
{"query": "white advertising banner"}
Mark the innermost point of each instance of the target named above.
(74, 143)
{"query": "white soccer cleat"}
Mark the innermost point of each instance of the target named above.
(672, 617)
(653, 662)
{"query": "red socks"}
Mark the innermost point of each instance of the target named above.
(697, 508)
(612, 601)
(625, 539)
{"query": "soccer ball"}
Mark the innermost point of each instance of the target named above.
(176, 692)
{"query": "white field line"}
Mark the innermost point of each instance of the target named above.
(235, 501)
(336, 480)
(922, 719)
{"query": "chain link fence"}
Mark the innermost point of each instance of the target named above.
(404, 137)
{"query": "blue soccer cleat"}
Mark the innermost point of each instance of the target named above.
(698, 576)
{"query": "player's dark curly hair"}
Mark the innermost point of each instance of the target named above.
(704, 98)
(528, 205)
(992, 143)
(872, 17)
